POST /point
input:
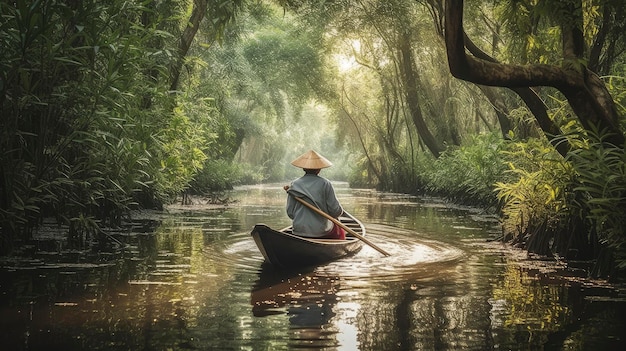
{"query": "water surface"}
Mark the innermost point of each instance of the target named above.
(192, 278)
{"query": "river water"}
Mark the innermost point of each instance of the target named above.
(191, 278)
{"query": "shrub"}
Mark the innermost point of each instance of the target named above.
(534, 196)
(468, 174)
(601, 178)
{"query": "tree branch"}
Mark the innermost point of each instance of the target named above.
(534, 103)
(484, 72)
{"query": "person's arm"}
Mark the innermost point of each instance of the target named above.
(291, 203)
(332, 203)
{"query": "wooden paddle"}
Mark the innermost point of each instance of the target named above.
(337, 222)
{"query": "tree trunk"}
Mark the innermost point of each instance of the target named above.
(370, 162)
(502, 111)
(193, 24)
(409, 77)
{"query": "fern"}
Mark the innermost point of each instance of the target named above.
(601, 176)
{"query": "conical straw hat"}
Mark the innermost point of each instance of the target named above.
(311, 160)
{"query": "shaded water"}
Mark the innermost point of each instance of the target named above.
(193, 279)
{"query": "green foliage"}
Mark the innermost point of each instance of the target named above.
(222, 13)
(182, 155)
(263, 78)
(284, 60)
(466, 174)
(469, 173)
(531, 31)
(249, 174)
(601, 177)
(536, 189)
(216, 175)
(88, 125)
(617, 87)
(90, 130)
(63, 102)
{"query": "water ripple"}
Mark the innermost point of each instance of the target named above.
(410, 255)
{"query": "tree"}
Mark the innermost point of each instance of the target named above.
(221, 13)
(587, 221)
(586, 93)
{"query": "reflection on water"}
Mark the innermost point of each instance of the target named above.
(308, 299)
(193, 278)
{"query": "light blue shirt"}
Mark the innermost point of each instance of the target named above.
(319, 192)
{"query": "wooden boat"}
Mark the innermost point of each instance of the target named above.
(282, 248)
